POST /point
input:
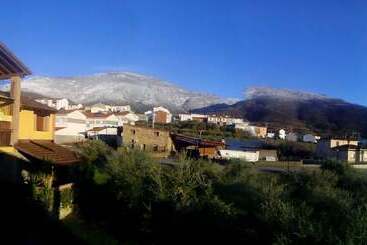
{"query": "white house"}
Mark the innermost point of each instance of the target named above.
(309, 138)
(233, 121)
(62, 104)
(193, 117)
(248, 156)
(76, 107)
(97, 120)
(120, 108)
(242, 126)
(70, 126)
(97, 108)
(282, 134)
(58, 104)
(185, 117)
(270, 135)
(126, 118)
(98, 131)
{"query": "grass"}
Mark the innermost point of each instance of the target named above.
(88, 234)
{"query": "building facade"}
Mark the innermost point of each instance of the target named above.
(147, 139)
(71, 127)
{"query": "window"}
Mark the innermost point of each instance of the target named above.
(133, 131)
(155, 148)
(41, 122)
(156, 134)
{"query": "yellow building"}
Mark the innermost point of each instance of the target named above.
(26, 126)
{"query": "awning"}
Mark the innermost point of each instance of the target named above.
(47, 151)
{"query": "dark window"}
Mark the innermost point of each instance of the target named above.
(156, 134)
(133, 131)
(155, 148)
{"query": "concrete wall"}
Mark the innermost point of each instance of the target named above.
(67, 139)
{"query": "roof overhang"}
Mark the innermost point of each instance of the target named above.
(10, 65)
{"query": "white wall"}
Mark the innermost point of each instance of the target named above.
(249, 156)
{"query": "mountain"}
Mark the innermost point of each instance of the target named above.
(138, 90)
(297, 110)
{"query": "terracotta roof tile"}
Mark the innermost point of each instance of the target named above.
(47, 151)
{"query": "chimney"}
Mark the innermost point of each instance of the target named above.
(15, 91)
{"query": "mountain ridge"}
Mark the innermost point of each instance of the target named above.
(136, 89)
(297, 110)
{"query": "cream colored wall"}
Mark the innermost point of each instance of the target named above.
(27, 127)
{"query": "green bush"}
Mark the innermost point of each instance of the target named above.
(133, 197)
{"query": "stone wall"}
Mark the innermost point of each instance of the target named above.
(147, 139)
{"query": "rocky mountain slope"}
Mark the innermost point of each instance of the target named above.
(120, 87)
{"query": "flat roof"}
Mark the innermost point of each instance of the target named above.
(10, 65)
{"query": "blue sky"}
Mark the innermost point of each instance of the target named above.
(216, 46)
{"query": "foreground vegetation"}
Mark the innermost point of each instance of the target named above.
(136, 200)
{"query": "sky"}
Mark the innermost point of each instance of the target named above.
(214, 46)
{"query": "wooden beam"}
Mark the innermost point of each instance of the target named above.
(15, 92)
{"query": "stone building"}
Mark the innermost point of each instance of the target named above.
(147, 139)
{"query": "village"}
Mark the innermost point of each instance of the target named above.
(39, 130)
(118, 125)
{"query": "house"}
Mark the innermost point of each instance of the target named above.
(126, 117)
(337, 148)
(224, 120)
(270, 135)
(98, 131)
(27, 138)
(248, 155)
(193, 117)
(242, 126)
(58, 104)
(147, 139)
(350, 154)
(99, 107)
(268, 155)
(71, 126)
(282, 134)
(197, 147)
(255, 131)
(159, 115)
(101, 120)
(293, 137)
(199, 118)
(309, 138)
(120, 108)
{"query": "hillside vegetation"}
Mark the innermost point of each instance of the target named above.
(315, 114)
(137, 200)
